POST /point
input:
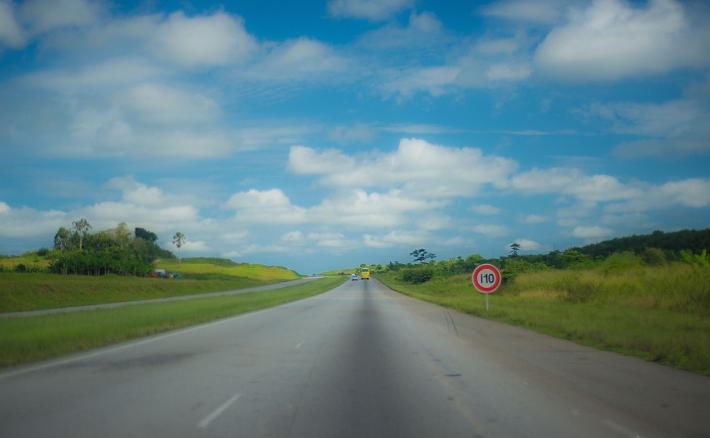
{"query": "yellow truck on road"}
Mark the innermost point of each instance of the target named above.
(365, 273)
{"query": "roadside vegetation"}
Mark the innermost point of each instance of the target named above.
(649, 302)
(35, 338)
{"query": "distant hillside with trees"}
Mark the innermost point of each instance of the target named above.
(670, 243)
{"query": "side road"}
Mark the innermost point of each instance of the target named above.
(156, 300)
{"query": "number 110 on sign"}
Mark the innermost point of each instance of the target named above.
(486, 278)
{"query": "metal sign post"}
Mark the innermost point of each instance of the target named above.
(486, 278)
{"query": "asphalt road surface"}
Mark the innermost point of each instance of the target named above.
(358, 361)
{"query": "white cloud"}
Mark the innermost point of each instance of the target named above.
(613, 39)
(47, 15)
(486, 209)
(203, 41)
(539, 11)
(27, 222)
(423, 31)
(527, 245)
(694, 193)
(374, 10)
(159, 104)
(112, 73)
(265, 207)
(359, 209)
(535, 219)
(596, 188)
(293, 237)
(433, 80)
(358, 133)
(418, 167)
(594, 232)
(398, 237)
(492, 230)
(11, 34)
(301, 59)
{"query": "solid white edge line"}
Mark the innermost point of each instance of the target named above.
(219, 411)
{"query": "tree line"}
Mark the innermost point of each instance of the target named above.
(657, 248)
(116, 251)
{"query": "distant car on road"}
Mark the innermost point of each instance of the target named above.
(353, 277)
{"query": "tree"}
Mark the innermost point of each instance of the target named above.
(514, 248)
(123, 235)
(146, 235)
(82, 226)
(62, 239)
(421, 254)
(179, 241)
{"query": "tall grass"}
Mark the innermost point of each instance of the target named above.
(656, 313)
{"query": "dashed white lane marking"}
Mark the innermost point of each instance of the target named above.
(219, 411)
(300, 344)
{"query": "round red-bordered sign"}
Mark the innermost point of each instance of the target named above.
(486, 278)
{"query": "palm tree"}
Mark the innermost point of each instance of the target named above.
(82, 226)
(179, 241)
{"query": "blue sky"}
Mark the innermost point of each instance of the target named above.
(319, 135)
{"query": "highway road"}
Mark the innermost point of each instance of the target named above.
(358, 361)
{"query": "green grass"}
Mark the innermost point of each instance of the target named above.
(22, 292)
(659, 314)
(31, 339)
(38, 291)
(219, 268)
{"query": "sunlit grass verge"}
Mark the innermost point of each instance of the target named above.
(24, 340)
(656, 314)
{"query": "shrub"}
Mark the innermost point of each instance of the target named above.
(416, 275)
(653, 257)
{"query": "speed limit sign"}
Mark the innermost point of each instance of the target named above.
(486, 278)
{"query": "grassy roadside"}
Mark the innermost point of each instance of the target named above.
(31, 339)
(645, 313)
(21, 292)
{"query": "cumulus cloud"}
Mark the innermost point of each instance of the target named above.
(527, 244)
(418, 167)
(203, 41)
(694, 193)
(302, 59)
(159, 104)
(360, 209)
(265, 207)
(613, 39)
(374, 10)
(595, 188)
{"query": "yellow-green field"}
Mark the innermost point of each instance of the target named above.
(37, 291)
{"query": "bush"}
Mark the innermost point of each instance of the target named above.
(416, 275)
(653, 257)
